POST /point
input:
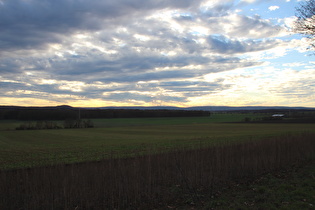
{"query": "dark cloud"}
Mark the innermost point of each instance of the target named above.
(184, 17)
(238, 25)
(9, 66)
(10, 85)
(254, 27)
(133, 69)
(180, 90)
(218, 9)
(194, 88)
(224, 45)
(29, 24)
(132, 64)
(125, 97)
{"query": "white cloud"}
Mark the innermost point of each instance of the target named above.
(273, 8)
(294, 64)
(248, 1)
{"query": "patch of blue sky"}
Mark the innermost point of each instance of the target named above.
(271, 9)
(182, 15)
(293, 59)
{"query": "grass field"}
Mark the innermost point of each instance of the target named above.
(122, 137)
(180, 163)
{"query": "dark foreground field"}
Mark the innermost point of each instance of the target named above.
(180, 178)
(290, 188)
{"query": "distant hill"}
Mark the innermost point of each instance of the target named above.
(37, 107)
(145, 107)
(198, 108)
(248, 108)
(211, 108)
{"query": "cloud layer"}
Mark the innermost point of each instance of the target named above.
(99, 53)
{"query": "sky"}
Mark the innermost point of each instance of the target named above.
(97, 53)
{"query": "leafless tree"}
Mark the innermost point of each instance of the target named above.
(305, 23)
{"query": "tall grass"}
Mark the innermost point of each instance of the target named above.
(151, 181)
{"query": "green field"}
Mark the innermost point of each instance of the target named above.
(217, 162)
(121, 137)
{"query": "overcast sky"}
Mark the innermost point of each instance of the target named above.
(94, 53)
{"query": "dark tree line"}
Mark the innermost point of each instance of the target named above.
(139, 113)
(37, 114)
(65, 112)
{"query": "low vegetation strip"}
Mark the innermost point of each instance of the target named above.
(167, 179)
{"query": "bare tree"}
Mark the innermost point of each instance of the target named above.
(305, 23)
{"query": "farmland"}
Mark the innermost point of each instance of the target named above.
(125, 137)
(145, 163)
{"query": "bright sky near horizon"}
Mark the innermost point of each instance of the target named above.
(93, 53)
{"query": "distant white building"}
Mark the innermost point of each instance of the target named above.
(278, 115)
